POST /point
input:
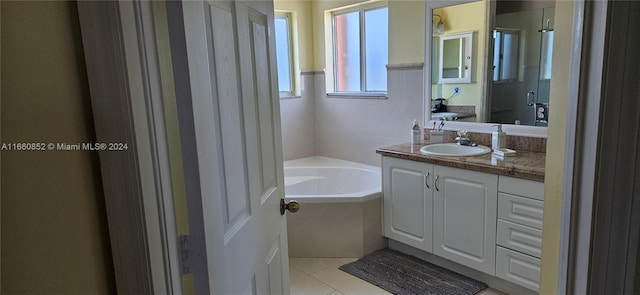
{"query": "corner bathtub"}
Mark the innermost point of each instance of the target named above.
(340, 207)
(327, 180)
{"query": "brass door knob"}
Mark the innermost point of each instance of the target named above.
(293, 206)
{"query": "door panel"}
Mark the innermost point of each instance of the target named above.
(464, 217)
(465, 209)
(265, 123)
(235, 105)
(274, 266)
(224, 69)
(408, 202)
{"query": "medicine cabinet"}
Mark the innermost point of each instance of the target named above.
(455, 58)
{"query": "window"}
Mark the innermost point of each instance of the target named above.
(546, 54)
(505, 55)
(284, 54)
(360, 50)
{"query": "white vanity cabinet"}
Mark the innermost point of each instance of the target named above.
(408, 202)
(487, 222)
(446, 211)
(464, 224)
(519, 235)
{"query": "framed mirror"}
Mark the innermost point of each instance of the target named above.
(460, 16)
(454, 58)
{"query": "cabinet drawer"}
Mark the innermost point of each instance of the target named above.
(520, 210)
(518, 268)
(521, 187)
(520, 238)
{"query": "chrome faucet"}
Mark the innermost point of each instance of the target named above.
(463, 139)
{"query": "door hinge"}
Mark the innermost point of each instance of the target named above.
(185, 241)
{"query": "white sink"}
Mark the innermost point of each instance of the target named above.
(454, 150)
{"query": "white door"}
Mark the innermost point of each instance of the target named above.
(464, 217)
(408, 202)
(236, 118)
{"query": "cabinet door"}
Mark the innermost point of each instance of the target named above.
(464, 223)
(408, 202)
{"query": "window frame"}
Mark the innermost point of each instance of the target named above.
(290, 40)
(361, 9)
(518, 58)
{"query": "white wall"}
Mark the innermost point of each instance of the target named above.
(351, 128)
(298, 121)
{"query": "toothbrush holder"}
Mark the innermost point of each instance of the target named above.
(436, 136)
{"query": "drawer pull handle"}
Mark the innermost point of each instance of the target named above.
(436, 182)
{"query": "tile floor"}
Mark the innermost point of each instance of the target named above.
(321, 276)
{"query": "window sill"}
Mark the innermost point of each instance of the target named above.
(358, 95)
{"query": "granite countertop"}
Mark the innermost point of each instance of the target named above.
(464, 116)
(459, 116)
(525, 164)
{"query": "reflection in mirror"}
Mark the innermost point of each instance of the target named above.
(522, 46)
(457, 62)
(451, 53)
(454, 60)
(509, 85)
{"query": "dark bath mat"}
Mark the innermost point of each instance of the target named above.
(402, 274)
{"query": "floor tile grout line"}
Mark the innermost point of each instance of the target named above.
(326, 284)
(302, 271)
(326, 267)
(339, 262)
(354, 277)
(318, 280)
(357, 278)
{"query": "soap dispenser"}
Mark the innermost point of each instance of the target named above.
(416, 133)
(498, 138)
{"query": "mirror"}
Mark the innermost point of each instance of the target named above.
(523, 42)
(454, 58)
(460, 62)
(510, 84)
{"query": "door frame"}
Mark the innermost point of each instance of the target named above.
(592, 213)
(124, 79)
(126, 99)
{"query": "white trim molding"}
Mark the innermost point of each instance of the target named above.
(519, 130)
(601, 197)
(122, 68)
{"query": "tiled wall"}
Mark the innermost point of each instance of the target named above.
(351, 128)
(299, 121)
